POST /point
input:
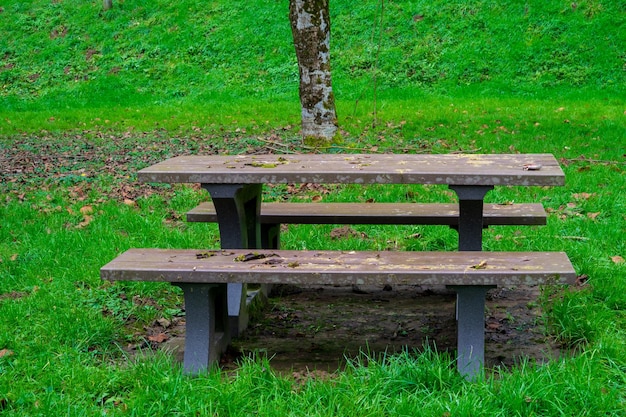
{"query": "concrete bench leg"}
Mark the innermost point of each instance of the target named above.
(207, 330)
(471, 329)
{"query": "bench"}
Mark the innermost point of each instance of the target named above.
(203, 276)
(272, 215)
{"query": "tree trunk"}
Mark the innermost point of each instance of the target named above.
(310, 26)
(107, 4)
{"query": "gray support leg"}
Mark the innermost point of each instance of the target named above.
(470, 300)
(237, 207)
(270, 236)
(207, 333)
(470, 329)
(471, 215)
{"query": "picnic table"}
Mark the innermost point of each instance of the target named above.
(235, 184)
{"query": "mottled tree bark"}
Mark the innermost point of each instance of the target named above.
(310, 26)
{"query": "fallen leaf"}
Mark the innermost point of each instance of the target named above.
(593, 216)
(84, 210)
(86, 220)
(129, 202)
(583, 196)
(5, 352)
(252, 257)
(481, 265)
(531, 167)
(582, 279)
(14, 257)
(617, 259)
(205, 255)
(158, 338)
(164, 322)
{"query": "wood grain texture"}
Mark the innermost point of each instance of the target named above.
(381, 213)
(451, 169)
(341, 268)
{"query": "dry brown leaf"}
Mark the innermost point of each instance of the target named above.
(84, 210)
(617, 259)
(158, 338)
(593, 216)
(583, 196)
(86, 220)
(5, 352)
(129, 202)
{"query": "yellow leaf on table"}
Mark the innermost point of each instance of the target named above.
(481, 265)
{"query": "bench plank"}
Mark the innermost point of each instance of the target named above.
(381, 213)
(341, 268)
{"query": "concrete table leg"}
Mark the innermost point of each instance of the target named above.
(237, 207)
(470, 300)
(207, 331)
(471, 215)
(470, 329)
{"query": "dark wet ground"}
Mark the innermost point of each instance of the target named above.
(317, 328)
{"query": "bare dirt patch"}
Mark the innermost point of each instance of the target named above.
(317, 328)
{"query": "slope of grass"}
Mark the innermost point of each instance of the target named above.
(69, 58)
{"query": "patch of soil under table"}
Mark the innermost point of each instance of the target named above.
(317, 328)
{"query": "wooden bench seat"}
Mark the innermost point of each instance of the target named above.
(203, 276)
(381, 213)
(274, 214)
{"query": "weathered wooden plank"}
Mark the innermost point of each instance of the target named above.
(451, 169)
(381, 213)
(341, 268)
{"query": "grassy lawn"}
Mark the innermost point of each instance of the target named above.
(88, 98)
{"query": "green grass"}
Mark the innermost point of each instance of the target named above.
(70, 65)
(65, 330)
(88, 98)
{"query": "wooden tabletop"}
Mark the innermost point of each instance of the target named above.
(451, 169)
